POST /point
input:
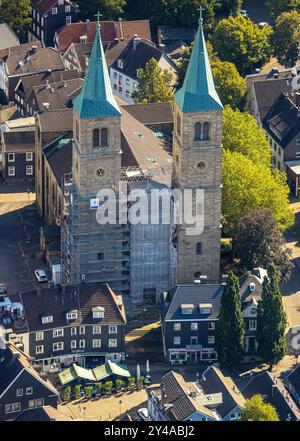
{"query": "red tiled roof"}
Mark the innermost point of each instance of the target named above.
(43, 6)
(110, 30)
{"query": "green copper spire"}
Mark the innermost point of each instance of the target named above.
(96, 99)
(198, 93)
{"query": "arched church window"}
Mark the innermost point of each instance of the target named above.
(206, 134)
(197, 136)
(96, 139)
(104, 136)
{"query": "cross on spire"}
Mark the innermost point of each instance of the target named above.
(201, 9)
(98, 15)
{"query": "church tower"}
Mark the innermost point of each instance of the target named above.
(197, 154)
(94, 253)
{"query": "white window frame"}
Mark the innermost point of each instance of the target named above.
(58, 346)
(82, 330)
(112, 343)
(96, 329)
(81, 344)
(72, 315)
(211, 326)
(29, 390)
(68, 8)
(12, 155)
(29, 170)
(19, 393)
(177, 327)
(73, 330)
(38, 402)
(11, 170)
(7, 406)
(58, 332)
(29, 156)
(113, 329)
(39, 349)
(177, 340)
(54, 11)
(251, 323)
(97, 343)
(73, 344)
(39, 336)
(68, 19)
(211, 339)
(194, 326)
(47, 319)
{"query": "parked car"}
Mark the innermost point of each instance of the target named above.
(143, 413)
(40, 275)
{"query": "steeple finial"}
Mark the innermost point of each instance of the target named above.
(98, 15)
(200, 15)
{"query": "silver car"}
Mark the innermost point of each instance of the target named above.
(40, 275)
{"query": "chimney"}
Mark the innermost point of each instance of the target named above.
(136, 41)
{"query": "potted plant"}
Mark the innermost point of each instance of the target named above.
(141, 382)
(119, 385)
(131, 383)
(67, 393)
(108, 387)
(77, 391)
(99, 389)
(88, 391)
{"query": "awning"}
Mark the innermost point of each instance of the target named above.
(98, 374)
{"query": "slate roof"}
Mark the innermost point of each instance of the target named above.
(18, 142)
(176, 394)
(213, 381)
(44, 413)
(12, 363)
(294, 379)
(7, 37)
(136, 58)
(19, 49)
(193, 294)
(273, 392)
(82, 298)
(198, 92)
(56, 120)
(151, 113)
(110, 32)
(96, 99)
(28, 82)
(43, 59)
(59, 156)
(282, 121)
(176, 33)
(57, 95)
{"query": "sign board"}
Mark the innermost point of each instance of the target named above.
(94, 204)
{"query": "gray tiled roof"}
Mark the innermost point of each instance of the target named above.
(193, 294)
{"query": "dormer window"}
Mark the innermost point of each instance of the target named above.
(205, 308)
(98, 312)
(120, 64)
(187, 308)
(47, 318)
(72, 315)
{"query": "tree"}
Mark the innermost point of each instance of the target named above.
(110, 9)
(119, 384)
(232, 6)
(77, 391)
(238, 127)
(108, 386)
(154, 84)
(230, 327)
(99, 388)
(67, 393)
(271, 321)
(88, 390)
(16, 13)
(256, 410)
(248, 186)
(277, 7)
(285, 38)
(242, 42)
(230, 86)
(259, 242)
(131, 383)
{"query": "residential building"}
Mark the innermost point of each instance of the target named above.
(22, 387)
(26, 84)
(273, 391)
(111, 32)
(136, 54)
(18, 158)
(26, 60)
(172, 40)
(48, 16)
(71, 324)
(189, 316)
(214, 397)
(7, 37)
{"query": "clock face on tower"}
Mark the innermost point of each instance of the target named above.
(100, 172)
(200, 165)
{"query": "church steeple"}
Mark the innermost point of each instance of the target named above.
(198, 93)
(96, 99)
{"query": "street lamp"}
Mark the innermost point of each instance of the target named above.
(120, 404)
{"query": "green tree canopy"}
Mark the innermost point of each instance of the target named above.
(259, 242)
(285, 38)
(154, 84)
(242, 42)
(239, 127)
(256, 410)
(271, 321)
(230, 327)
(16, 13)
(277, 7)
(248, 186)
(110, 9)
(230, 86)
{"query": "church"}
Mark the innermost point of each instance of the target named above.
(111, 147)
